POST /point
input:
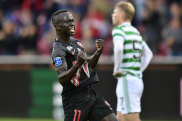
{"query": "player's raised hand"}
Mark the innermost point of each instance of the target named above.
(81, 58)
(99, 44)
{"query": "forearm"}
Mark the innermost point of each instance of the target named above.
(145, 63)
(94, 59)
(118, 54)
(147, 56)
(66, 76)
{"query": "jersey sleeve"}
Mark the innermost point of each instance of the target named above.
(59, 60)
(118, 41)
(146, 56)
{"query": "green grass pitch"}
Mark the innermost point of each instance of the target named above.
(32, 119)
(26, 119)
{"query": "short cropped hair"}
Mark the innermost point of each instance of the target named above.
(55, 14)
(127, 8)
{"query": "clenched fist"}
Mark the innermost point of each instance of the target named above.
(99, 44)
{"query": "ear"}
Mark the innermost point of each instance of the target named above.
(122, 15)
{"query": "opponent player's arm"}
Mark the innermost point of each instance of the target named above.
(118, 54)
(93, 60)
(65, 75)
(146, 56)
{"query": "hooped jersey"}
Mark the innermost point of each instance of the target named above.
(64, 55)
(133, 45)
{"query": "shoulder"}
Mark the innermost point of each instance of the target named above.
(117, 28)
(77, 42)
(130, 30)
(58, 48)
(74, 40)
(118, 31)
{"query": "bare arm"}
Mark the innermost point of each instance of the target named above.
(93, 60)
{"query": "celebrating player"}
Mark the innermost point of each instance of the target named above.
(74, 70)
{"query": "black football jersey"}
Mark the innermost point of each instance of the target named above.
(64, 55)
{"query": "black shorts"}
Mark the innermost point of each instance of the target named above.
(86, 105)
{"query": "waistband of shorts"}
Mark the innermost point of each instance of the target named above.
(127, 72)
(81, 91)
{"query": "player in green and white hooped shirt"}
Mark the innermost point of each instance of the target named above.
(131, 57)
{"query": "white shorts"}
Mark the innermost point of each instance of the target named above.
(129, 92)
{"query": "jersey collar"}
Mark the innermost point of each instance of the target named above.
(124, 23)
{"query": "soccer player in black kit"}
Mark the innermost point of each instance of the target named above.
(75, 73)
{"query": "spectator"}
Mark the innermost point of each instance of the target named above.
(172, 37)
(45, 42)
(152, 25)
(28, 39)
(92, 20)
(9, 43)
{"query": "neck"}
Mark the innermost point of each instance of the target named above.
(121, 22)
(63, 38)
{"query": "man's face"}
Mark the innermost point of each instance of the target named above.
(66, 24)
(117, 16)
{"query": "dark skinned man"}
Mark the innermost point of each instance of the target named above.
(76, 75)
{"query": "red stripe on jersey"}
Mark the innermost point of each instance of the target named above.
(85, 68)
(75, 79)
(78, 77)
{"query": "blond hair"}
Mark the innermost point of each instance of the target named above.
(127, 8)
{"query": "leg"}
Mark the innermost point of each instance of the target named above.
(132, 95)
(132, 117)
(101, 111)
(120, 116)
(120, 99)
(110, 117)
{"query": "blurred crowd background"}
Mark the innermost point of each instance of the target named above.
(25, 27)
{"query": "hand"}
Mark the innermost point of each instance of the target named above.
(117, 74)
(81, 57)
(99, 44)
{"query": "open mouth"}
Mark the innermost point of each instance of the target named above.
(72, 29)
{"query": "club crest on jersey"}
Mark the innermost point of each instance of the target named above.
(80, 44)
(57, 61)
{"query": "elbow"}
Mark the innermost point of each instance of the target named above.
(92, 66)
(62, 77)
(61, 81)
(148, 54)
(151, 55)
(120, 50)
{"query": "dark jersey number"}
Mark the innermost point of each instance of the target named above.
(137, 49)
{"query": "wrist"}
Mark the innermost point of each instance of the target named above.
(98, 52)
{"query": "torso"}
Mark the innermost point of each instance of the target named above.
(68, 53)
